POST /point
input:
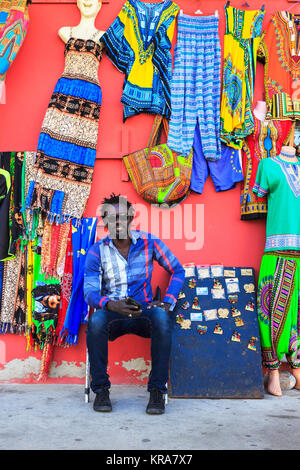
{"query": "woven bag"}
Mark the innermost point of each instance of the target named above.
(158, 174)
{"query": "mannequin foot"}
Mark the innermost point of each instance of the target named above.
(274, 383)
(296, 374)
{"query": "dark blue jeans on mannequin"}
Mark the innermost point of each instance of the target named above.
(104, 325)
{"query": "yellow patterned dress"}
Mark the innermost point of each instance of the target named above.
(241, 42)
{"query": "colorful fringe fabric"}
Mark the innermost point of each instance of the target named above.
(14, 21)
(241, 42)
(278, 308)
(138, 43)
(67, 144)
(54, 245)
(83, 237)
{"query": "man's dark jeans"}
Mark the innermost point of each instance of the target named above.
(104, 325)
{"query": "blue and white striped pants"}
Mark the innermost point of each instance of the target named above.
(196, 86)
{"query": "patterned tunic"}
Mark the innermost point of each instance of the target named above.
(280, 51)
(68, 140)
(138, 43)
(242, 38)
(266, 141)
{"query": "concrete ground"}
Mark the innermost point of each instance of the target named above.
(56, 417)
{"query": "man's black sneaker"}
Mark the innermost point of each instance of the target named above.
(156, 405)
(102, 401)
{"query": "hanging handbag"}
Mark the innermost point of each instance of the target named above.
(159, 174)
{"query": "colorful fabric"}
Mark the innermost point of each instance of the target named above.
(138, 43)
(19, 324)
(241, 42)
(54, 245)
(46, 294)
(9, 291)
(225, 172)
(66, 285)
(14, 21)
(196, 86)
(278, 308)
(280, 52)
(108, 276)
(67, 144)
(5, 194)
(83, 237)
(281, 182)
(265, 141)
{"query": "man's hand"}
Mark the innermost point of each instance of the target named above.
(158, 303)
(120, 306)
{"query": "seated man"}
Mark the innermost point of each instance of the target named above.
(118, 270)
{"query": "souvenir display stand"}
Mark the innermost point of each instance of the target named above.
(216, 347)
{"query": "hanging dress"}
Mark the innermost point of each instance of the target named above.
(67, 143)
(280, 52)
(241, 41)
(265, 141)
(279, 276)
(138, 43)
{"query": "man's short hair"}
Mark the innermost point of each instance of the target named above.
(114, 200)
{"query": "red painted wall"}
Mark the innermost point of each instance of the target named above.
(30, 82)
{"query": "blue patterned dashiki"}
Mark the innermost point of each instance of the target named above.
(108, 276)
(138, 43)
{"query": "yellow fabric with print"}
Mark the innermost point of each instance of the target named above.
(138, 43)
(241, 43)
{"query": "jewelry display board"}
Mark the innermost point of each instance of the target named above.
(216, 348)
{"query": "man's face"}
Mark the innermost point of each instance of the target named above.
(117, 220)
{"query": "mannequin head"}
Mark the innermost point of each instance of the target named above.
(89, 8)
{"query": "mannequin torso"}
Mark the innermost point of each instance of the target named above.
(86, 29)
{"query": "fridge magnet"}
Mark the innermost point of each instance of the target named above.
(181, 295)
(252, 344)
(192, 283)
(236, 337)
(238, 321)
(223, 313)
(229, 273)
(201, 329)
(186, 324)
(218, 329)
(179, 318)
(196, 316)
(203, 271)
(189, 269)
(246, 272)
(218, 293)
(233, 298)
(250, 306)
(217, 284)
(232, 285)
(185, 305)
(196, 305)
(217, 270)
(249, 288)
(235, 312)
(210, 314)
(202, 290)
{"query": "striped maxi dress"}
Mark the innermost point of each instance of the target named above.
(196, 86)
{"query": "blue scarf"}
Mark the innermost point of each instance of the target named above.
(83, 237)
